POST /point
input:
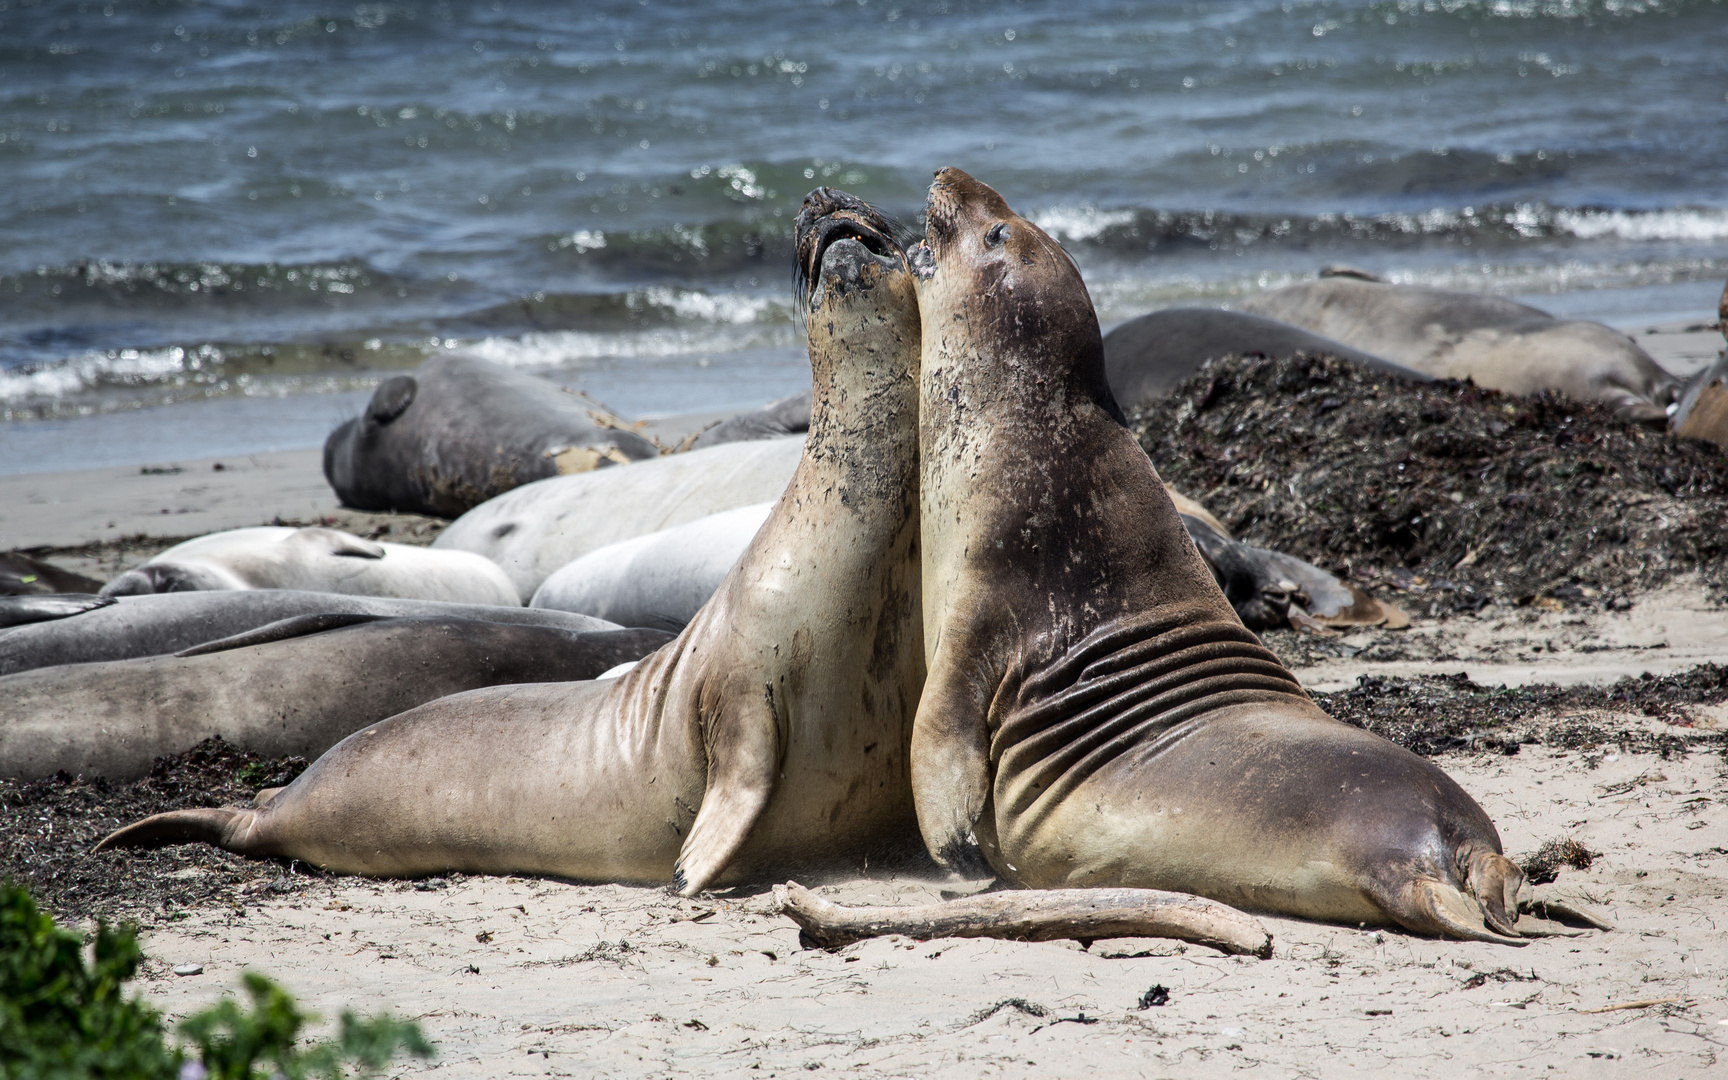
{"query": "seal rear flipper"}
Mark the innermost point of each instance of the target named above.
(281, 630)
(226, 827)
(1429, 906)
(744, 752)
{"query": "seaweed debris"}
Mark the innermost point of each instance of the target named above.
(1454, 495)
(1433, 714)
(51, 824)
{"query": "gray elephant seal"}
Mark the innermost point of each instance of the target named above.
(460, 430)
(321, 560)
(1095, 713)
(770, 733)
(84, 630)
(297, 695)
(788, 416)
(1500, 344)
(1145, 358)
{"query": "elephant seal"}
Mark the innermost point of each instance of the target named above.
(539, 527)
(1095, 714)
(460, 430)
(86, 629)
(296, 694)
(1501, 344)
(22, 575)
(320, 560)
(770, 732)
(658, 580)
(1269, 589)
(1145, 358)
(787, 416)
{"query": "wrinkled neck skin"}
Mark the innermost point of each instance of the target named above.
(1047, 535)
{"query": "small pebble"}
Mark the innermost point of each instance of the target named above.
(188, 969)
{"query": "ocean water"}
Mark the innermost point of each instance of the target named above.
(224, 220)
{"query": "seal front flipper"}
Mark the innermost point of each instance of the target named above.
(43, 607)
(744, 751)
(282, 630)
(950, 768)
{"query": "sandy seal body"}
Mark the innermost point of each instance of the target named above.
(300, 694)
(461, 430)
(770, 733)
(162, 623)
(320, 560)
(1095, 714)
(1501, 344)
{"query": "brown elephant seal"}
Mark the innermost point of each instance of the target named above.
(298, 689)
(460, 430)
(1501, 344)
(1146, 358)
(1095, 714)
(770, 733)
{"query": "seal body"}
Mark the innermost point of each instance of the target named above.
(1145, 358)
(789, 415)
(1501, 344)
(659, 580)
(537, 528)
(161, 623)
(320, 560)
(1095, 713)
(770, 733)
(461, 430)
(299, 695)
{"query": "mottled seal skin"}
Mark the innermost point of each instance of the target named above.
(1501, 344)
(532, 531)
(87, 629)
(1145, 358)
(321, 560)
(770, 733)
(298, 695)
(1095, 714)
(460, 430)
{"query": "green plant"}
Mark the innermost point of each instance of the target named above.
(61, 1019)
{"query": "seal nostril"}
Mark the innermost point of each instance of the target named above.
(997, 234)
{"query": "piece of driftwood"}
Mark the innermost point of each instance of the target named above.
(1035, 915)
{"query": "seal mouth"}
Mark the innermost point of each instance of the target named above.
(829, 216)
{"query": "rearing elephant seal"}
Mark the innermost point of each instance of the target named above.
(772, 731)
(1095, 713)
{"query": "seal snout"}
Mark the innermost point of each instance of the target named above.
(832, 217)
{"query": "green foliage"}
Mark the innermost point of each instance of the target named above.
(61, 1019)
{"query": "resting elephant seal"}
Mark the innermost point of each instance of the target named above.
(1145, 358)
(293, 695)
(320, 560)
(538, 527)
(771, 732)
(1095, 714)
(460, 430)
(659, 580)
(787, 416)
(1501, 344)
(99, 628)
(22, 575)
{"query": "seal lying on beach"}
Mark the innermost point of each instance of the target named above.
(320, 560)
(1145, 358)
(293, 694)
(1269, 589)
(105, 629)
(22, 575)
(460, 430)
(539, 527)
(1501, 344)
(1095, 714)
(770, 733)
(789, 415)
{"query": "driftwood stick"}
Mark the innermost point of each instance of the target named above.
(1035, 915)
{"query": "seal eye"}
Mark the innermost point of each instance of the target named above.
(998, 233)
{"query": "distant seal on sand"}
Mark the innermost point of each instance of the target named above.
(1269, 589)
(659, 580)
(1145, 358)
(1501, 344)
(292, 694)
(1095, 713)
(92, 628)
(460, 430)
(539, 527)
(321, 560)
(771, 732)
(23, 575)
(788, 416)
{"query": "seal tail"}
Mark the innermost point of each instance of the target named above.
(226, 827)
